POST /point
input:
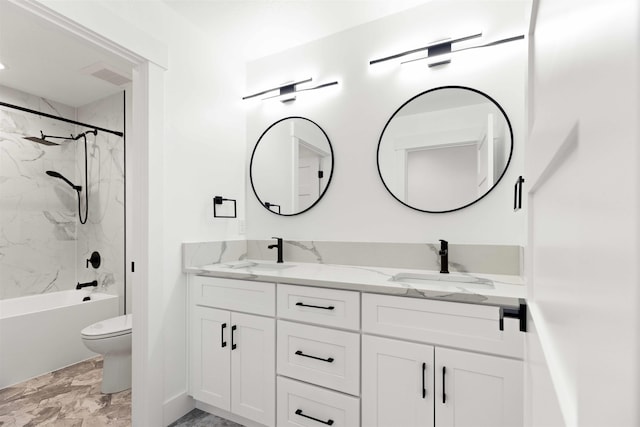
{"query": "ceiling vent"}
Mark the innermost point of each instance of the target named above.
(107, 73)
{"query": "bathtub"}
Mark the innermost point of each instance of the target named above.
(41, 333)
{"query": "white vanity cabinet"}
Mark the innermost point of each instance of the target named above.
(232, 357)
(293, 355)
(416, 384)
(397, 383)
(318, 366)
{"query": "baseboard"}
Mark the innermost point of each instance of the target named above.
(177, 406)
(227, 415)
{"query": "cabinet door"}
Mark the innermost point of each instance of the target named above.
(210, 356)
(477, 390)
(253, 368)
(397, 383)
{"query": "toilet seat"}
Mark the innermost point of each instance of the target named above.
(108, 328)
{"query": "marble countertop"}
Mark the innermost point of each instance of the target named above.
(486, 289)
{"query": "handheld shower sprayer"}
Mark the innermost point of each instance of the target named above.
(55, 174)
(78, 188)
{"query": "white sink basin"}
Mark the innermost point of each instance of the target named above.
(442, 279)
(257, 265)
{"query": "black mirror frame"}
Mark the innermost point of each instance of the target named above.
(432, 90)
(254, 152)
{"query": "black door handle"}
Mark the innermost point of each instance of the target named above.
(233, 329)
(517, 194)
(444, 395)
(328, 422)
(424, 387)
(301, 304)
(300, 353)
(223, 343)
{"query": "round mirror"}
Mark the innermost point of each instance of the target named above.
(445, 149)
(291, 166)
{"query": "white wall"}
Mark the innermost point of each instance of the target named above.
(356, 206)
(201, 155)
(204, 155)
(583, 163)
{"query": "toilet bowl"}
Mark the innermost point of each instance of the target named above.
(112, 339)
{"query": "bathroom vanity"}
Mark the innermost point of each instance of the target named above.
(298, 344)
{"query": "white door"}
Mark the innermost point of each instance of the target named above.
(397, 383)
(308, 179)
(210, 356)
(477, 390)
(253, 372)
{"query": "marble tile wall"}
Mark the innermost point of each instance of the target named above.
(205, 253)
(37, 213)
(489, 259)
(42, 245)
(104, 230)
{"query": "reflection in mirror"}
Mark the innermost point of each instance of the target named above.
(291, 166)
(445, 149)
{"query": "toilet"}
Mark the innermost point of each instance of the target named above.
(112, 339)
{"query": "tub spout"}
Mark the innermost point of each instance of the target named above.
(85, 285)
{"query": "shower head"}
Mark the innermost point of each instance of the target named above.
(42, 140)
(55, 174)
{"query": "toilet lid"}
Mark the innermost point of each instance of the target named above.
(113, 327)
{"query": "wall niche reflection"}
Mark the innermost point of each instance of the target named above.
(291, 166)
(445, 149)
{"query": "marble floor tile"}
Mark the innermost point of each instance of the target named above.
(71, 397)
(198, 418)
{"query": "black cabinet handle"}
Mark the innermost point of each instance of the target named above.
(300, 353)
(301, 304)
(223, 343)
(233, 329)
(444, 395)
(424, 387)
(328, 422)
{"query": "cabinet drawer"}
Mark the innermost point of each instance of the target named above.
(302, 404)
(327, 307)
(468, 326)
(232, 294)
(321, 356)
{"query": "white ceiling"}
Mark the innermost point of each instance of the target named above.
(43, 61)
(262, 27)
(46, 62)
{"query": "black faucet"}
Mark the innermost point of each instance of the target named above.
(444, 256)
(279, 246)
(86, 285)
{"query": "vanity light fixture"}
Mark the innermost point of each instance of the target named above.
(439, 52)
(218, 200)
(286, 92)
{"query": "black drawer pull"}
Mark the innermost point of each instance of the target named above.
(223, 343)
(424, 387)
(328, 422)
(444, 395)
(233, 344)
(301, 304)
(300, 353)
